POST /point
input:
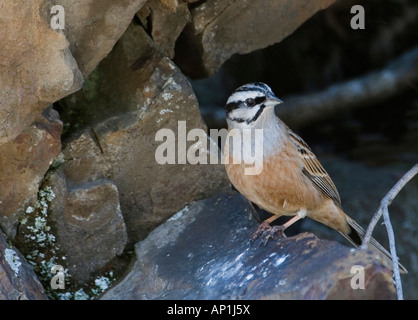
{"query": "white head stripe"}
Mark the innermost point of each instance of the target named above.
(244, 95)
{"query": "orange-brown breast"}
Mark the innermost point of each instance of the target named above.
(281, 187)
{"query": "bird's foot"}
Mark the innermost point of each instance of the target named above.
(266, 232)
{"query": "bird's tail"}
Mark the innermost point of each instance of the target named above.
(356, 237)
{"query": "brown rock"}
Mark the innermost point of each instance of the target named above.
(221, 28)
(90, 230)
(23, 164)
(18, 281)
(84, 161)
(166, 25)
(139, 91)
(93, 27)
(36, 66)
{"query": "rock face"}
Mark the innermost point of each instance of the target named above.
(36, 67)
(203, 252)
(165, 22)
(24, 162)
(221, 28)
(138, 92)
(92, 27)
(90, 229)
(17, 279)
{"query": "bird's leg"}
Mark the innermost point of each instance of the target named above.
(268, 232)
(265, 230)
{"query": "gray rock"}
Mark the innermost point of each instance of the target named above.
(361, 188)
(18, 281)
(222, 28)
(90, 229)
(203, 252)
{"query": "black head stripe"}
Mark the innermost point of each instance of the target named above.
(257, 114)
(259, 100)
(263, 85)
(238, 120)
(235, 104)
(249, 99)
(232, 106)
(250, 88)
(255, 86)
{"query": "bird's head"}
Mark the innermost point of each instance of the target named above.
(246, 105)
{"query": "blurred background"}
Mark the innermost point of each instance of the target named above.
(353, 97)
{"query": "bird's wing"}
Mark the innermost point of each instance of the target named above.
(313, 168)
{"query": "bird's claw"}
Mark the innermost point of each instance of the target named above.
(266, 232)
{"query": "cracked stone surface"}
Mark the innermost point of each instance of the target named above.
(203, 252)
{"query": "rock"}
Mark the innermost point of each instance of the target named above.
(36, 68)
(203, 252)
(84, 161)
(93, 27)
(23, 164)
(166, 25)
(222, 28)
(18, 281)
(80, 210)
(361, 188)
(135, 92)
(89, 214)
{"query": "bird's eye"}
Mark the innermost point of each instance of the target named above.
(250, 102)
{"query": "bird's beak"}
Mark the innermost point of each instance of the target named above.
(272, 101)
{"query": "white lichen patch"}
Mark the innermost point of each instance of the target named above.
(12, 260)
(167, 96)
(30, 209)
(65, 296)
(81, 295)
(42, 251)
(47, 194)
(102, 283)
(39, 230)
(164, 111)
(40, 247)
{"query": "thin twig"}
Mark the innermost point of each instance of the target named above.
(383, 209)
(386, 201)
(393, 253)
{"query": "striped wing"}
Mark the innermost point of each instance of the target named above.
(314, 170)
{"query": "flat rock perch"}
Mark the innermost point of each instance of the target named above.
(203, 252)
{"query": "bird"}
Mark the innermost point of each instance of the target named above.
(292, 181)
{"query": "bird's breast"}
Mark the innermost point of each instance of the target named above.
(280, 188)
